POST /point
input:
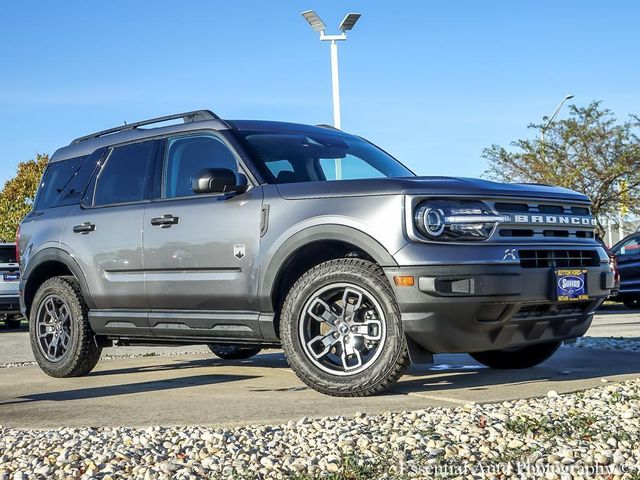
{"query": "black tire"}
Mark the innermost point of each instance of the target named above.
(385, 368)
(13, 323)
(83, 351)
(517, 358)
(233, 352)
(632, 303)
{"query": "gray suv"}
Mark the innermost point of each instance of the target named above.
(252, 234)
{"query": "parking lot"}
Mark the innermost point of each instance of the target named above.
(188, 386)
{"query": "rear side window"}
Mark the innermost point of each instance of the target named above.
(125, 175)
(7, 254)
(55, 179)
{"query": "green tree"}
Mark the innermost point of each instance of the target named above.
(17, 195)
(590, 151)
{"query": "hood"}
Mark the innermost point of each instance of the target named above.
(425, 186)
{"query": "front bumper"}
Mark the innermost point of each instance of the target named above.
(473, 308)
(9, 304)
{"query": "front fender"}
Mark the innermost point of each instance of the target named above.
(275, 261)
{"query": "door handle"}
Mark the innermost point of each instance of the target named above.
(84, 228)
(165, 221)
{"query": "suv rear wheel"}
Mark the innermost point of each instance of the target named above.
(523, 357)
(341, 330)
(61, 339)
(233, 352)
(12, 321)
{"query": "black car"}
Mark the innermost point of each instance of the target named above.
(627, 252)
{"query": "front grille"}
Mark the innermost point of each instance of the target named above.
(558, 258)
(556, 231)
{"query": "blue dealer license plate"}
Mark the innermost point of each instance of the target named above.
(11, 277)
(570, 284)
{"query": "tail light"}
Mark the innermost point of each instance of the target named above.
(614, 269)
(18, 245)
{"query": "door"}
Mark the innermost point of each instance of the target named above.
(628, 257)
(104, 232)
(200, 250)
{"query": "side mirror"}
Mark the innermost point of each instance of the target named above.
(218, 180)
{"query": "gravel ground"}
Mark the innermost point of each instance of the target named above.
(111, 357)
(589, 434)
(608, 343)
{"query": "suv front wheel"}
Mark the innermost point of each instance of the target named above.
(61, 339)
(341, 330)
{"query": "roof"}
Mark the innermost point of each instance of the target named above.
(269, 125)
(196, 120)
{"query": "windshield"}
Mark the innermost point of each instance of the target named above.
(285, 157)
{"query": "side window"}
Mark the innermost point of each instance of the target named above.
(632, 247)
(186, 156)
(125, 174)
(55, 179)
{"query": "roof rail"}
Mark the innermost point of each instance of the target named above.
(194, 116)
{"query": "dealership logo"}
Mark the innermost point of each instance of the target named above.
(570, 284)
(578, 221)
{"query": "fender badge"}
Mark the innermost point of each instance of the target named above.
(510, 254)
(239, 250)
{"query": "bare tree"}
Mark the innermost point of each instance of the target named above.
(590, 152)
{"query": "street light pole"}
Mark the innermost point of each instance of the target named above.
(335, 84)
(318, 25)
(544, 129)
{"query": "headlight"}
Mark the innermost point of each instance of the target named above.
(457, 220)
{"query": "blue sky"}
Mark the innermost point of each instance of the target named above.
(431, 82)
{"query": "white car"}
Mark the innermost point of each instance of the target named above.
(9, 282)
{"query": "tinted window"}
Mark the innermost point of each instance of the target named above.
(124, 176)
(186, 156)
(286, 157)
(55, 179)
(7, 254)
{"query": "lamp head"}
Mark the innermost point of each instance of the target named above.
(314, 20)
(349, 21)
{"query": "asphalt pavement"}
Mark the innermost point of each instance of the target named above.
(192, 387)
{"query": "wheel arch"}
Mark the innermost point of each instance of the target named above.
(47, 263)
(321, 243)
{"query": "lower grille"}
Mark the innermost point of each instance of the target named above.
(558, 258)
(551, 310)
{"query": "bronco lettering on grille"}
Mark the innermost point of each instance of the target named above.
(556, 219)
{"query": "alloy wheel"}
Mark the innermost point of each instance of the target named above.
(342, 329)
(53, 327)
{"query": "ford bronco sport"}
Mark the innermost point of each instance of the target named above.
(252, 234)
